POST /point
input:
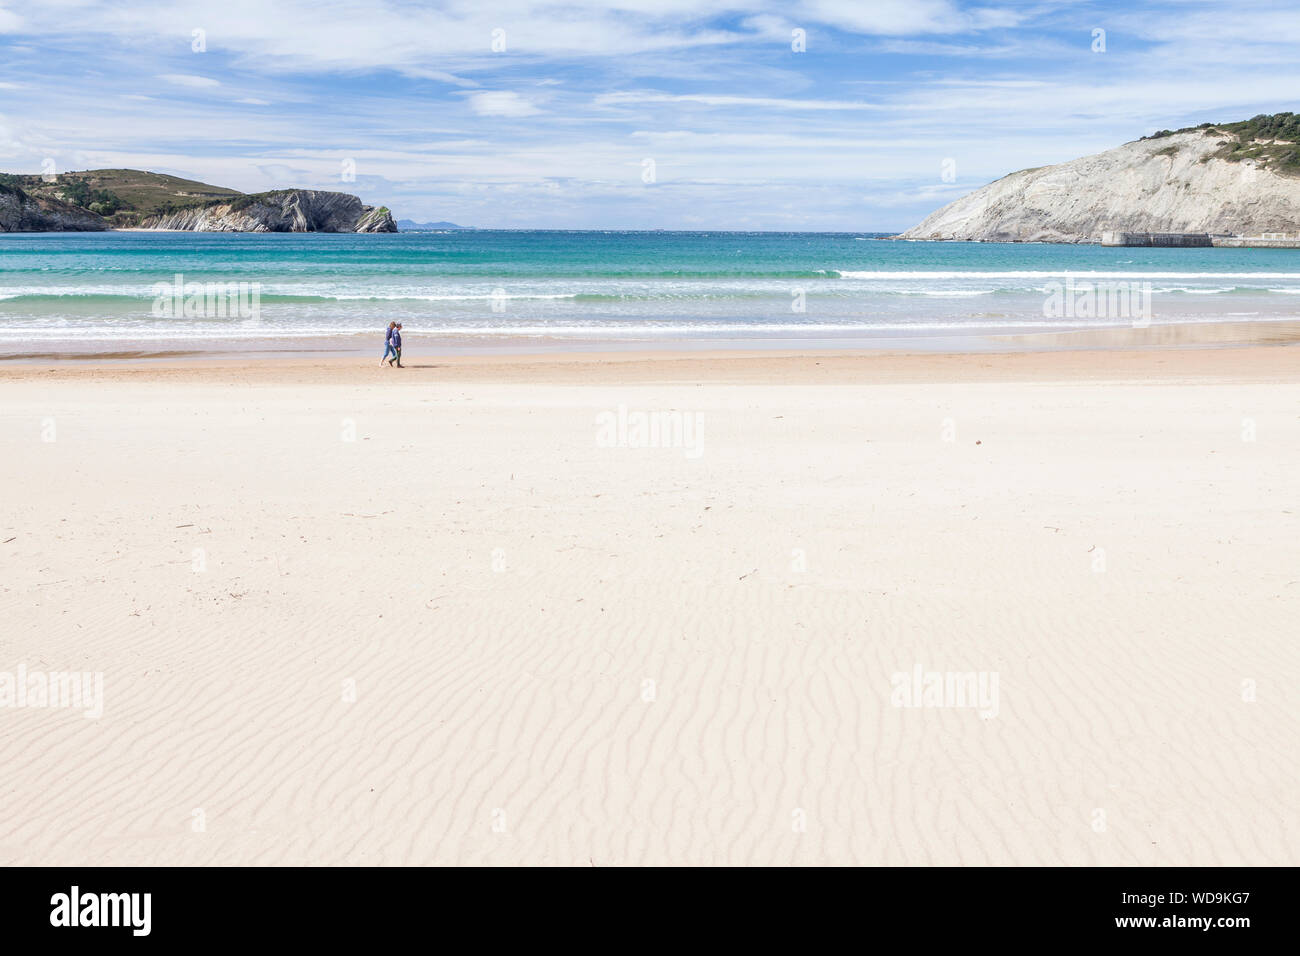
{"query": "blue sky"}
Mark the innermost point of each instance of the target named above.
(894, 108)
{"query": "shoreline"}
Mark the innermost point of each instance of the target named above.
(1241, 364)
(1226, 351)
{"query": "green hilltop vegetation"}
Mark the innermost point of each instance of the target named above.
(1272, 140)
(124, 197)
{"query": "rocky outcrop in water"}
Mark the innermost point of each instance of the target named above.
(284, 210)
(20, 212)
(1204, 180)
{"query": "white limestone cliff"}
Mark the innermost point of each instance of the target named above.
(1175, 183)
(285, 210)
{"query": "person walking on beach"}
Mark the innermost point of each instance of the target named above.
(396, 342)
(388, 343)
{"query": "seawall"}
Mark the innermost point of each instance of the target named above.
(1186, 239)
(1156, 239)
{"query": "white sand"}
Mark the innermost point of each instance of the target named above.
(502, 590)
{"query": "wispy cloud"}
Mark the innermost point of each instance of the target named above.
(500, 103)
(713, 99)
(909, 17)
(189, 79)
(757, 113)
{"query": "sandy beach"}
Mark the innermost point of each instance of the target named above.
(677, 608)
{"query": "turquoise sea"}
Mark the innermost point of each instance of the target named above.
(470, 290)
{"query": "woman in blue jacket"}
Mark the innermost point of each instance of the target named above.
(388, 343)
(395, 343)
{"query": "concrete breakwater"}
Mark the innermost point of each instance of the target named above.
(1186, 239)
(1256, 242)
(1156, 239)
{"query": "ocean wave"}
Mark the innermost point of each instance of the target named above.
(1064, 274)
(937, 284)
(122, 301)
(417, 297)
(252, 330)
(945, 293)
(148, 295)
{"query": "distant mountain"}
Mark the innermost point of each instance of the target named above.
(99, 199)
(410, 225)
(1230, 179)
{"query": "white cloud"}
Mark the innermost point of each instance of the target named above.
(907, 17)
(283, 174)
(500, 103)
(189, 79)
(418, 39)
(703, 99)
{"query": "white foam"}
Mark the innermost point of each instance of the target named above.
(1065, 274)
(254, 331)
(947, 293)
(424, 297)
